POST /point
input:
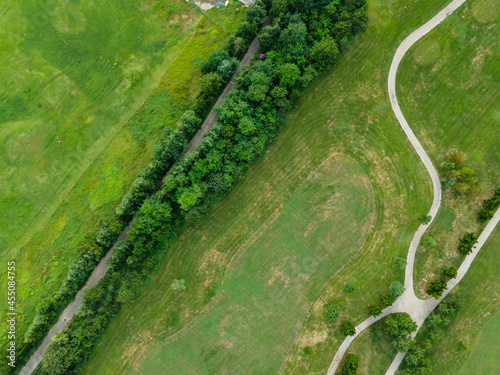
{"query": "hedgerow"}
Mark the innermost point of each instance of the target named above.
(304, 38)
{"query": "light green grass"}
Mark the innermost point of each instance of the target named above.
(449, 90)
(477, 324)
(484, 357)
(55, 192)
(346, 114)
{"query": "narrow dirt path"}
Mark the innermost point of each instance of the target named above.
(102, 267)
(418, 309)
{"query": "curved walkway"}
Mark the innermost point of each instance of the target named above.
(409, 303)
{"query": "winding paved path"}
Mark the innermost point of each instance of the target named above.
(100, 270)
(409, 303)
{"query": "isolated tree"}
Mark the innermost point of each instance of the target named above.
(396, 289)
(436, 288)
(349, 288)
(348, 329)
(400, 264)
(178, 285)
(428, 242)
(467, 243)
(424, 218)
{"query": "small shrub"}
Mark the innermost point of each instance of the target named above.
(350, 365)
(348, 329)
(428, 242)
(178, 285)
(436, 288)
(307, 350)
(386, 300)
(332, 312)
(349, 288)
(396, 289)
(449, 271)
(448, 165)
(400, 264)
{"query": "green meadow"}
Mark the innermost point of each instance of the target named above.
(298, 227)
(87, 87)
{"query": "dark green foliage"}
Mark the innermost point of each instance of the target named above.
(325, 53)
(386, 300)
(436, 288)
(399, 327)
(428, 242)
(248, 121)
(451, 272)
(396, 289)
(466, 243)
(348, 329)
(349, 288)
(489, 207)
(350, 365)
(424, 218)
(332, 312)
(416, 361)
(374, 309)
(307, 350)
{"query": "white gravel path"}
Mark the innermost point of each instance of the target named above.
(417, 309)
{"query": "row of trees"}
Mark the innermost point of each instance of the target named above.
(415, 361)
(489, 207)
(248, 121)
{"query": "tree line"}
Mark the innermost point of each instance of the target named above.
(303, 39)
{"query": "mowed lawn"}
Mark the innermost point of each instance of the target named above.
(69, 163)
(449, 91)
(478, 324)
(245, 309)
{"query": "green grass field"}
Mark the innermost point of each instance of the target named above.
(449, 91)
(82, 126)
(477, 325)
(251, 238)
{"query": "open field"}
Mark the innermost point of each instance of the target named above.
(81, 135)
(198, 332)
(449, 92)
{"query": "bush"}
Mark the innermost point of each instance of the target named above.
(348, 329)
(400, 264)
(436, 288)
(449, 271)
(374, 309)
(332, 312)
(466, 243)
(307, 350)
(386, 300)
(428, 242)
(350, 365)
(396, 289)
(349, 288)
(424, 218)
(489, 207)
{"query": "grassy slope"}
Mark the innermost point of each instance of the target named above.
(361, 83)
(351, 115)
(449, 90)
(117, 156)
